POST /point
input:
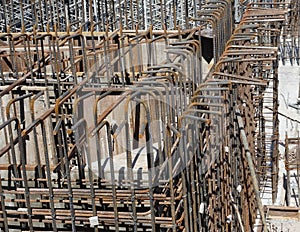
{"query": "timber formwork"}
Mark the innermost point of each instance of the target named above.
(120, 131)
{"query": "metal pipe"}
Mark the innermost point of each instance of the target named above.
(243, 137)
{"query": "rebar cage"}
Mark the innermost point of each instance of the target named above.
(118, 124)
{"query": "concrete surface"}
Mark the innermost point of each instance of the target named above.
(289, 77)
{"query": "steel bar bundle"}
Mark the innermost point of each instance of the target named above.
(292, 153)
(17, 16)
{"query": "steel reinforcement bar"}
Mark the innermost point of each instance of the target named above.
(115, 131)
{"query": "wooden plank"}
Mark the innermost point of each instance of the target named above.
(284, 212)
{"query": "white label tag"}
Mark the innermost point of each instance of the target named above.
(94, 221)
